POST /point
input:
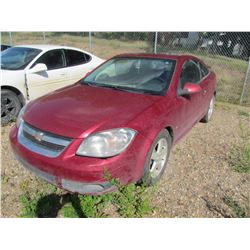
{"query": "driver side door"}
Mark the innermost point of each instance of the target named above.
(188, 106)
(55, 77)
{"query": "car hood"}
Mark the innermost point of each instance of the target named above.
(79, 110)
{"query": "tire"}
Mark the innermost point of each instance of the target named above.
(151, 173)
(10, 106)
(210, 111)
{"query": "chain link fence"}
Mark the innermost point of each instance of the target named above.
(227, 53)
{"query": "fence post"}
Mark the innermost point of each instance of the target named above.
(245, 82)
(90, 42)
(10, 38)
(44, 37)
(155, 48)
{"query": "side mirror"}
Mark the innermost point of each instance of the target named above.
(189, 88)
(40, 67)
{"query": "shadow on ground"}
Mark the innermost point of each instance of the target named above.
(49, 205)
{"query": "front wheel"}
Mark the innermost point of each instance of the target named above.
(10, 106)
(210, 111)
(157, 158)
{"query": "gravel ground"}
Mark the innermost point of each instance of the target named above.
(197, 181)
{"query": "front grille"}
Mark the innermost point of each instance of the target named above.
(41, 142)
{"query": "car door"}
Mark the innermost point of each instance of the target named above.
(207, 88)
(188, 108)
(78, 63)
(55, 77)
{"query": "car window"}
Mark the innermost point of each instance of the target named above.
(204, 70)
(53, 59)
(141, 75)
(118, 68)
(17, 58)
(76, 57)
(190, 73)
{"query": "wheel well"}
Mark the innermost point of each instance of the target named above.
(17, 92)
(171, 132)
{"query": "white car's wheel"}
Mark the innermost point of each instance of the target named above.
(10, 106)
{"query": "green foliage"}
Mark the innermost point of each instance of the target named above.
(129, 200)
(244, 113)
(133, 201)
(238, 211)
(241, 159)
(240, 154)
(29, 205)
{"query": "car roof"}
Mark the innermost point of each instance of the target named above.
(156, 56)
(46, 47)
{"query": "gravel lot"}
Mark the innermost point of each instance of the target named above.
(195, 184)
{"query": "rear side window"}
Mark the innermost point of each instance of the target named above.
(53, 59)
(190, 73)
(204, 70)
(75, 58)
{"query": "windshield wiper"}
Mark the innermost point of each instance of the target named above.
(117, 88)
(92, 84)
(131, 90)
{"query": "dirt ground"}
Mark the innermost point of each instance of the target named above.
(196, 183)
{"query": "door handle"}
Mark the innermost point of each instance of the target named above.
(63, 74)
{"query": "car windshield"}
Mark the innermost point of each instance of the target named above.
(17, 58)
(141, 75)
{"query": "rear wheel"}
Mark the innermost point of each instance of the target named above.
(157, 158)
(10, 106)
(210, 111)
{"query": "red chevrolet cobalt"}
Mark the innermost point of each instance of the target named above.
(122, 118)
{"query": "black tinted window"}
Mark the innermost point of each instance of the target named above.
(204, 70)
(76, 57)
(190, 73)
(53, 59)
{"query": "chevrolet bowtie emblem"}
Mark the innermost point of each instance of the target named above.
(39, 136)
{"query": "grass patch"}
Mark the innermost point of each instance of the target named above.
(241, 159)
(244, 113)
(240, 154)
(130, 201)
(238, 211)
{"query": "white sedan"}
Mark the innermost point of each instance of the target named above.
(30, 71)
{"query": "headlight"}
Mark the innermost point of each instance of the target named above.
(107, 143)
(20, 116)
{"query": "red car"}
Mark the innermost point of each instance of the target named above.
(122, 118)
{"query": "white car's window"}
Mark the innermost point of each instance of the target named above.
(17, 58)
(53, 59)
(75, 58)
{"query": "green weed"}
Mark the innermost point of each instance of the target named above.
(130, 201)
(244, 113)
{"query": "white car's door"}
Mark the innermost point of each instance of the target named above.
(80, 63)
(55, 77)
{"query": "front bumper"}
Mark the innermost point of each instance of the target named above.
(71, 186)
(84, 174)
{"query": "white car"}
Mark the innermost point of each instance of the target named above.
(30, 71)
